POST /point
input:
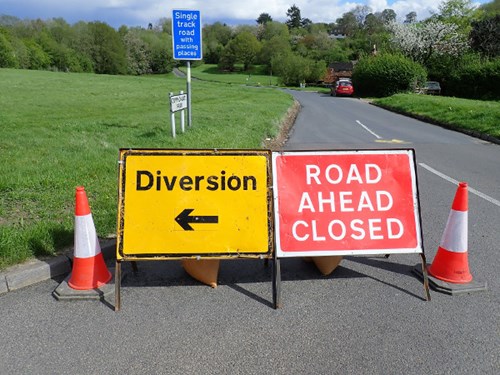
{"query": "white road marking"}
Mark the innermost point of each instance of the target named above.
(452, 180)
(369, 130)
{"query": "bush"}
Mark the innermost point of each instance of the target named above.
(293, 69)
(7, 53)
(386, 74)
(476, 80)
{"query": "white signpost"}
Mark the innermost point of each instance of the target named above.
(178, 103)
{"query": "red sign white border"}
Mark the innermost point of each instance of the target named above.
(280, 253)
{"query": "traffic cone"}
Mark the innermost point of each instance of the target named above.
(451, 261)
(203, 270)
(326, 265)
(89, 270)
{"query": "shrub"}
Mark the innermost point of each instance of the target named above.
(386, 74)
(293, 69)
(477, 80)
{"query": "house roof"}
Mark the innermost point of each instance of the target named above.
(341, 66)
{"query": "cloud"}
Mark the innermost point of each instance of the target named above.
(140, 13)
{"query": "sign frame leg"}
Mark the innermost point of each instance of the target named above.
(426, 277)
(118, 279)
(276, 283)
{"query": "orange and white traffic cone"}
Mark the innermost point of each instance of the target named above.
(203, 270)
(451, 262)
(89, 269)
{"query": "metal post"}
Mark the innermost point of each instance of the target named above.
(182, 117)
(172, 115)
(118, 280)
(426, 277)
(276, 283)
(189, 91)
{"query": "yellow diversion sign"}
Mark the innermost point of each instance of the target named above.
(186, 203)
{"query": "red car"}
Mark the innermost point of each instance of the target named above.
(344, 88)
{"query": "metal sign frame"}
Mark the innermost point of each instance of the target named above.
(185, 218)
(314, 252)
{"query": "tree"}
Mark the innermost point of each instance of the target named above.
(294, 70)
(294, 17)
(458, 12)
(264, 18)
(373, 24)
(246, 47)
(7, 53)
(137, 53)
(347, 24)
(424, 40)
(107, 51)
(388, 15)
(491, 8)
(411, 18)
(272, 29)
(215, 38)
(485, 36)
(277, 45)
(360, 12)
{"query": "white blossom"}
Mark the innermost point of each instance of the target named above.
(421, 41)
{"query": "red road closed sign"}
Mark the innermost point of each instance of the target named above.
(346, 203)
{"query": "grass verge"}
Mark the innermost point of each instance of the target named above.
(475, 116)
(63, 130)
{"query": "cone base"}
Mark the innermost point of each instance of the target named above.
(64, 292)
(451, 267)
(89, 273)
(449, 288)
(203, 270)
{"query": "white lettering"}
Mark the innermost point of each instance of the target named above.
(365, 202)
(345, 201)
(372, 229)
(306, 203)
(389, 202)
(312, 171)
(342, 230)
(390, 233)
(354, 175)
(339, 174)
(316, 238)
(294, 231)
(369, 178)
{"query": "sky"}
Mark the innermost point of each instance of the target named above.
(142, 12)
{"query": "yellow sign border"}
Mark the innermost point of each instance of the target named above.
(124, 153)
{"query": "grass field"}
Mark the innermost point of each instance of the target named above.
(63, 130)
(254, 77)
(60, 130)
(473, 115)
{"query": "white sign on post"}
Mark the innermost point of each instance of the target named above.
(178, 102)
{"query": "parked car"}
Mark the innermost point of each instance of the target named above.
(432, 88)
(342, 88)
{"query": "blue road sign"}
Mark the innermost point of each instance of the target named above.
(186, 34)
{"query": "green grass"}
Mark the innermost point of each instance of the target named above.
(254, 77)
(60, 130)
(472, 115)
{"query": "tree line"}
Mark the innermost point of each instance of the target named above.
(298, 50)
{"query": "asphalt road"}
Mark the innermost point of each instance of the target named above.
(368, 317)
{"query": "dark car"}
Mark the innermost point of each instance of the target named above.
(432, 88)
(343, 88)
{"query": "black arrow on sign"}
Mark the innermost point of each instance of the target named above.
(183, 219)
